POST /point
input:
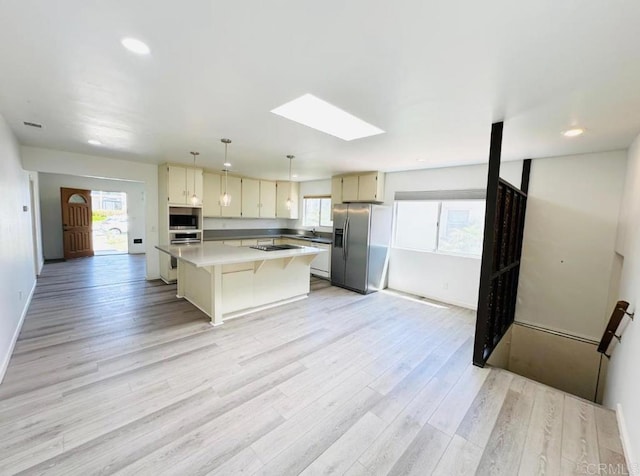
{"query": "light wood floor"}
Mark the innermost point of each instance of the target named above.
(113, 374)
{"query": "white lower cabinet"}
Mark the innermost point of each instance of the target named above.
(237, 290)
(321, 264)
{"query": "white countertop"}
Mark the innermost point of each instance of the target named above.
(211, 253)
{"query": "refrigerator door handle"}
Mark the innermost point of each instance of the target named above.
(345, 245)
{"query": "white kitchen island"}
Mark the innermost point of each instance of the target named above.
(229, 281)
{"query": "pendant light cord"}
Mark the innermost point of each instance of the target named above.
(290, 157)
(226, 170)
(195, 154)
(225, 199)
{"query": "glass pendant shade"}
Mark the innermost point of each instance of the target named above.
(225, 199)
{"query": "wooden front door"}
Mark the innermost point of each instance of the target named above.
(76, 222)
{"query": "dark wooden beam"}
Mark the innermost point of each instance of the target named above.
(526, 172)
(493, 178)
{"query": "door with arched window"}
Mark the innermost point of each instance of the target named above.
(76, 222)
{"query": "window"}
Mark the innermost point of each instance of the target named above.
(316, 211)
(461, 227)
(448, 226)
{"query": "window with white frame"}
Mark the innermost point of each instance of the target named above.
(316, 211)
(440, 226)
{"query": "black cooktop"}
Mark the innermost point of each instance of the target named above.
(275, 247)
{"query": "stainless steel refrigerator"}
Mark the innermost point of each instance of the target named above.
(360, 249)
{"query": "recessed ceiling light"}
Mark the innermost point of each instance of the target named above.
(295, 175)
(94, 142)
(421, 160)
(313, 112)
(573, 132)
(227, 164)
(136, 46)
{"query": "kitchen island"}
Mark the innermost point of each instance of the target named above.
(230, 281)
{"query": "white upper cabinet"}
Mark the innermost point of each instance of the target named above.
(267, 199)
(182, 182)
(287, 190)
(211, 195)
(368, 187)
(350, 188)
(258, 198)
(336, 190)
(250, 198)
(364, 187)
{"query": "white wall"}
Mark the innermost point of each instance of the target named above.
(50, 185)
(68, 163)
(447, 278)
(623, 385)
(17, 263)
(569, 240)
(36, 216)
(448, 178)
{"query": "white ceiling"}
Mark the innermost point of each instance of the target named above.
(433, 74)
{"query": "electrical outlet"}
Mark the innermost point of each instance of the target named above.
(137, 241)
(19, 295)
(445, 286)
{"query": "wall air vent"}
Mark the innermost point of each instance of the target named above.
(33, 124)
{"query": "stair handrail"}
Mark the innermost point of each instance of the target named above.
(619, 311)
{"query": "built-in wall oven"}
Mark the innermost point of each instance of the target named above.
(183, 237)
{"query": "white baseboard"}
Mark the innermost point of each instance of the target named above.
(444, 300)
(14, 339)
(626, 441)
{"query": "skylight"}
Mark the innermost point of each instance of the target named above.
(313, 112)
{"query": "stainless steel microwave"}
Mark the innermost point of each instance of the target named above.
(183, 222)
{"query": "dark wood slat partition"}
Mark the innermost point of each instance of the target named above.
(502, 249)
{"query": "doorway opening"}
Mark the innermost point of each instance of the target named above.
(110, 224)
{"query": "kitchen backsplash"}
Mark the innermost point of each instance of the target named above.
(246, 223)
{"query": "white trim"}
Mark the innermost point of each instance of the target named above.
(7, 358)
(626, 441)
(443, 300)
(547, 330)
(575, 335)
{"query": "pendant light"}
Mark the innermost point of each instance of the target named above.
(289, 201)
(194, 198)
(225, 198)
